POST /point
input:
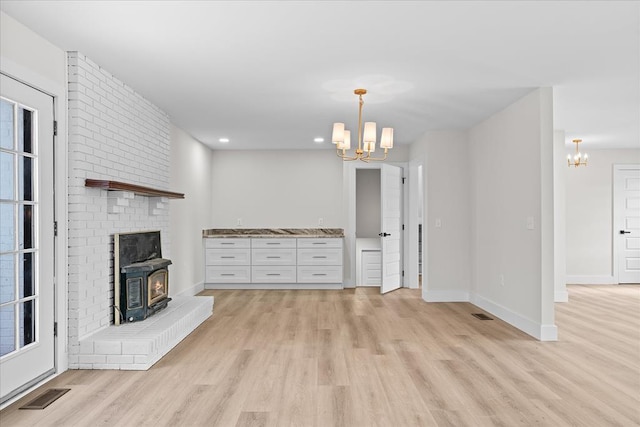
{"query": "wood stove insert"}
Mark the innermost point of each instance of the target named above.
(141, 277)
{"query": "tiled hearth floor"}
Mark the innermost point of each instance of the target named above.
(138, 345)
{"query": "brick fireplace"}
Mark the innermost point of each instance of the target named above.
(111, 128)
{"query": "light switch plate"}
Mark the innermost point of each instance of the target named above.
(530, 223)
(438, 223)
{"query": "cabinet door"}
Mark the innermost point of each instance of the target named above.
(331, 256)
(228, 257)
(273, 243)
(228, 243)
(319, 242)
(273, 256)
(324, 274)
(273, 274)
(227, 274)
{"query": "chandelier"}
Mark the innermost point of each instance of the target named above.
(366, 142)
(578, 159)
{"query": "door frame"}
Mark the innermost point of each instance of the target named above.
(349, 208)
(617, 168)
(58, 92)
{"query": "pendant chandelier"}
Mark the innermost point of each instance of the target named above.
(366, 142)
(578, 159)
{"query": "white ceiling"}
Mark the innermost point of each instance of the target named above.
(274, 75)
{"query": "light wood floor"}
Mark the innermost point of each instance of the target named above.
(355, 358)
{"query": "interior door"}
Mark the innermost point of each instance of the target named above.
(627, 222)
(26, 237)
(391, 221)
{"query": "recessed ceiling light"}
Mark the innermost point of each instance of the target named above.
(318, 139)
(224, 140)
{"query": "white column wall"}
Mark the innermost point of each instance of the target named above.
(191, 173)
(512, 203)
(447, 269)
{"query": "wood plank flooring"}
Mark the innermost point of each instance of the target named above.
(356, 358)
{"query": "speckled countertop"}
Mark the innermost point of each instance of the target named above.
(273, 232)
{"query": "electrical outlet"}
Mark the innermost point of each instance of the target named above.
(239, 222)
(438, 223)
(321, 221)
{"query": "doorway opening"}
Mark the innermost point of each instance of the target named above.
(391, 230)
(368, 226)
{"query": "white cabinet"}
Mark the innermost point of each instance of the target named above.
(227, 260)
(272, 262)
(319, 260)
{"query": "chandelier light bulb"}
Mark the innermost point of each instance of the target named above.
(366, 137)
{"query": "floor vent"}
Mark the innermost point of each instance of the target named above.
(481, 316)
(46, 398)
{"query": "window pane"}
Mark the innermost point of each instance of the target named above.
(25, 227)
(26, 282)
(6, 124)
(7, 278)
(25, 130)
(25, 178)
(27, 323)
(6, 176)
(7, 227)
(7, 329)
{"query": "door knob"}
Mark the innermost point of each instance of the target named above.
(624, 232)
(384, 234)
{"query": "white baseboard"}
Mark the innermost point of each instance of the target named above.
(192, 291)
(299, 286)
(528, 326)
(446, 296)
(561, 296)
(592, 280)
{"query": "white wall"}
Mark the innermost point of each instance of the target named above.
(446, 273)
(589, 204)
(36, 57)
(276, 189)
(560, 217)
(368, 204)
(191, 174)
(512, 184)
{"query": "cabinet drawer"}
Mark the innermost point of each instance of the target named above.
(273, 242)
(273, 256)
(321, 242)
(228, 257)
(231, 242)
(320, 256)
(227, 274)
(273, 274)
(325, 274)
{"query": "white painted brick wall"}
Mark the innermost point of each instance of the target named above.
(116, 134)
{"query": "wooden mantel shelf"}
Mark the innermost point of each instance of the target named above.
(137, 189)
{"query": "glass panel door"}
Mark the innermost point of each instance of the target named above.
(18, 209)
(26, 237)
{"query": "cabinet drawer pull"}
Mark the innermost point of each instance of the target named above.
(273, 274)
(227, 243)
(227, 274)
(227, 257)
(319, 274)
(319, 256)
(273, 257)
(273, 243)
(319, 243)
